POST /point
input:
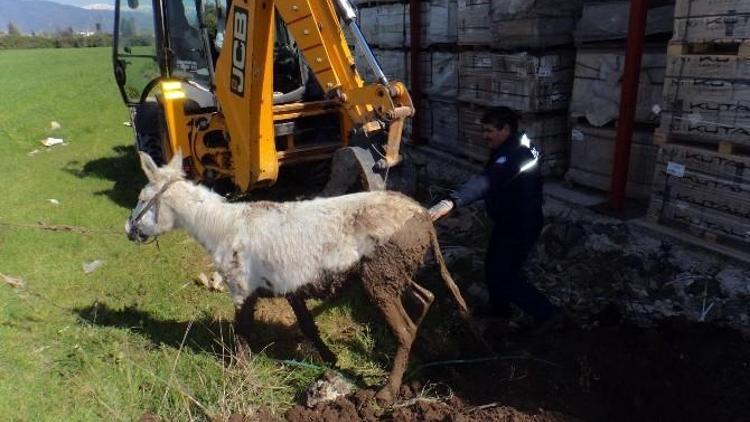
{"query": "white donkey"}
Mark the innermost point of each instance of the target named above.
(303, 249)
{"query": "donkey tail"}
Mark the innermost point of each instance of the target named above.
(447, 279)
(458, 299)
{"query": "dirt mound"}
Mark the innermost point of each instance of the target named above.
(362, 407)
(675, 371)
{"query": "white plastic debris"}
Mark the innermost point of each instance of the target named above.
(14, 282)
(128, 124)
(215, 283)
(90, 267)
(50, 142)
(328, 388)
(54, 201)
(53, 125)
(33, 153)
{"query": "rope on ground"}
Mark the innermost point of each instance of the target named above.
(476, 360)
(64, 228)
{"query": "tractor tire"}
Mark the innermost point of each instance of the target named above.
(150, 131)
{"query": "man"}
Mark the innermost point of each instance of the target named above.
(511, 188)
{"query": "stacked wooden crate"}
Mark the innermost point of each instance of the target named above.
(517, 53)
(517, 24)
(594, 108)
(468, 63)
(536, 85)
(386, 25)
(702, 177)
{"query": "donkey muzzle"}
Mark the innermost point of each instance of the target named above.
(134, 234)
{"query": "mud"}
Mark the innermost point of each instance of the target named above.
(678, 371)
(362, 407)
(653, 335)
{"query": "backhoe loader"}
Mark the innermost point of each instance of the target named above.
(246, 87)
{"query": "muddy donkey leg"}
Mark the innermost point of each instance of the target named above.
(424, 297)
(388, 301)
(308, 327)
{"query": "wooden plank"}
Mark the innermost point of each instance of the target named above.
(726, 147)
(651, 228)
(704, 193)
(728, 47)
(731, 167)
(671, 134)
(705, 224)
(691, 8)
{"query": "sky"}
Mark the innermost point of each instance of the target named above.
(82, 2)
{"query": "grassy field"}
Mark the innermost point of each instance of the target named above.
(137, 334)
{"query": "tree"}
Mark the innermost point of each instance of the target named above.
(13, 29)
(65, 33)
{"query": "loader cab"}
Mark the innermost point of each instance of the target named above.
(181, 39)
(158, 40)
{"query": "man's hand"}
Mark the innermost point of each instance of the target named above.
(441, 209)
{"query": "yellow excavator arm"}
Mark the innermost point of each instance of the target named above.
(244, 82)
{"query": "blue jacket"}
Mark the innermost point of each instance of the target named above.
(511, 187)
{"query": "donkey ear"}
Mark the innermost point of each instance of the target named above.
(149, 166)
(175, 164)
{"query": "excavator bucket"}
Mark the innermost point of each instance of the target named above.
(360, 168)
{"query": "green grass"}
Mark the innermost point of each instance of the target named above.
(136, 335)
(108, 344)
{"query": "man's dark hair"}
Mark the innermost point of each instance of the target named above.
(499, 117)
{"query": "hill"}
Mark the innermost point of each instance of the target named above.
(42, 16)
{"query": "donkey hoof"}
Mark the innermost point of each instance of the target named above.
(385, 395)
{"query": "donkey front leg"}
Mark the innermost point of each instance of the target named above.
(308, 327)
(243, 319)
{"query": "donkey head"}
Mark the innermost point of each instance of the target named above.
(149, 218)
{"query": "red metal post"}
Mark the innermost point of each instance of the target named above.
(628, 101)
(415, 32)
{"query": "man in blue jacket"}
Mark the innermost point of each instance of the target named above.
(511, 188)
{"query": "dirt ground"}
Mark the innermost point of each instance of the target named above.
(655, 332)
(678, 371)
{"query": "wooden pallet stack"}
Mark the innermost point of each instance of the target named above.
(702, 177)
(517, 53)
(600, 37)
(479, 53)
(386, 25)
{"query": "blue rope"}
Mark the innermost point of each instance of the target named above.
(292, 362)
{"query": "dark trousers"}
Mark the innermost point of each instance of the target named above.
(505, 282)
